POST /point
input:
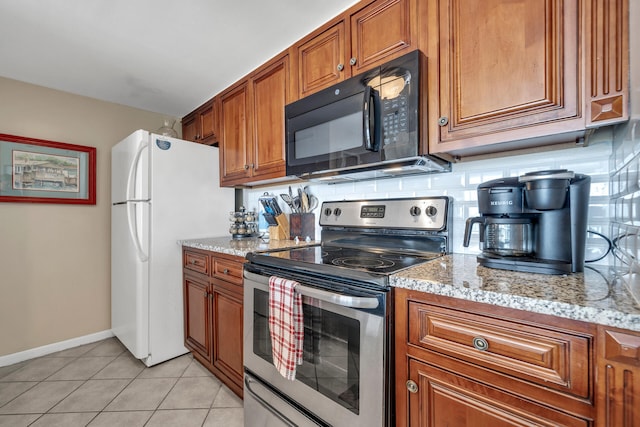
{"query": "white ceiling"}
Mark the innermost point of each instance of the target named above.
(157, 55)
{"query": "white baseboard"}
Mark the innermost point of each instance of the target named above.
(10, 359)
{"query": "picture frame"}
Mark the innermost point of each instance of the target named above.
(40, 171)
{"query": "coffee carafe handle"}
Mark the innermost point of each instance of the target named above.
(469, 225)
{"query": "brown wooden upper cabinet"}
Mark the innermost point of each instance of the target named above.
(200, 125)
(607, 53)
(368, 34)
(252, 125)
(503, 71)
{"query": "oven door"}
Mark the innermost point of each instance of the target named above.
(342, 378)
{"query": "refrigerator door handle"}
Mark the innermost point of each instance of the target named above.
(133, 231)
(131, 180)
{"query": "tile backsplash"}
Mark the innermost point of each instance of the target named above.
(461, 185)
(625, 202)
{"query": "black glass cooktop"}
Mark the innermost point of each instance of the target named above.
(332, 259)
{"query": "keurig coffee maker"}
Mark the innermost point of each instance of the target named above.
(535, 223)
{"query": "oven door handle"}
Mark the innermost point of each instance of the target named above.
(332, 297)
(338, 299)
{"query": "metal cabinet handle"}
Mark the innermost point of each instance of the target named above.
(353, 61)
(443, 121)
(246, 167)
(225, 271)
(412, 386)
(480, 344)
(340, 67)
(193, 261)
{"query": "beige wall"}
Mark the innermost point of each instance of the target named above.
(55, 259)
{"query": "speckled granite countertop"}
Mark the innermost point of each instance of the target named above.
(238, 247)
(589, 296)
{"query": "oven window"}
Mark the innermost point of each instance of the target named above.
(331, 362)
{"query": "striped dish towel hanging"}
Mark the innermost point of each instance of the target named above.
(286, 325)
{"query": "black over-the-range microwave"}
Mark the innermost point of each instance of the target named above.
(364, 127)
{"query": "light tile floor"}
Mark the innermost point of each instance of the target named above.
(101, 384)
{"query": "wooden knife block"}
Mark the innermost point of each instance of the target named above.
(280, 231)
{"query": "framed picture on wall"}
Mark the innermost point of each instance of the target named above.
(40, 171)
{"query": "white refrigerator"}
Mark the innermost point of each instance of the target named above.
(163, 190)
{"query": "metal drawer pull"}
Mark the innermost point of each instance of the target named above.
(343, 300)
(412, 386)
(247, 386)
(480, 344)
(225, 271)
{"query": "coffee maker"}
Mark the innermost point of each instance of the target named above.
(535, 223)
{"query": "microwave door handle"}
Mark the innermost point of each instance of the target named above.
(369, 125)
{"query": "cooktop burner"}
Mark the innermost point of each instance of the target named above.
(370, 263)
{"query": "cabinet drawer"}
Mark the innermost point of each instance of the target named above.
(550, 358)
(196, 261)
(622, 347)
(228, 270)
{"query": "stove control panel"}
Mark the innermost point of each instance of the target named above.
(423, 213)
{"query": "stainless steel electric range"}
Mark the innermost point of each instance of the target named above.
(346, 375)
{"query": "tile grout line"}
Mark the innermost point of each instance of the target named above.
(82, 382)
(165, 397)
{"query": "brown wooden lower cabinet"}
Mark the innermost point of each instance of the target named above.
(227, 332)
(444, 398)
(618, 379)
(197, 316)
(213, 313)
(461, 364)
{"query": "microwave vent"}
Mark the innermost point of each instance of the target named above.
(417, 165)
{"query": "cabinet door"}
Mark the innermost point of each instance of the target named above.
(607, 70)
(321, 60)
(189, 128)
(200, 125)
(269, 95)
(507, 70)
(441, 398)
(618, 398)
(197, 316)
(227, 332)
(381, 31)
(234, 163)
(206, 118)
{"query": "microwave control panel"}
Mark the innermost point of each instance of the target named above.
(395, 118)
